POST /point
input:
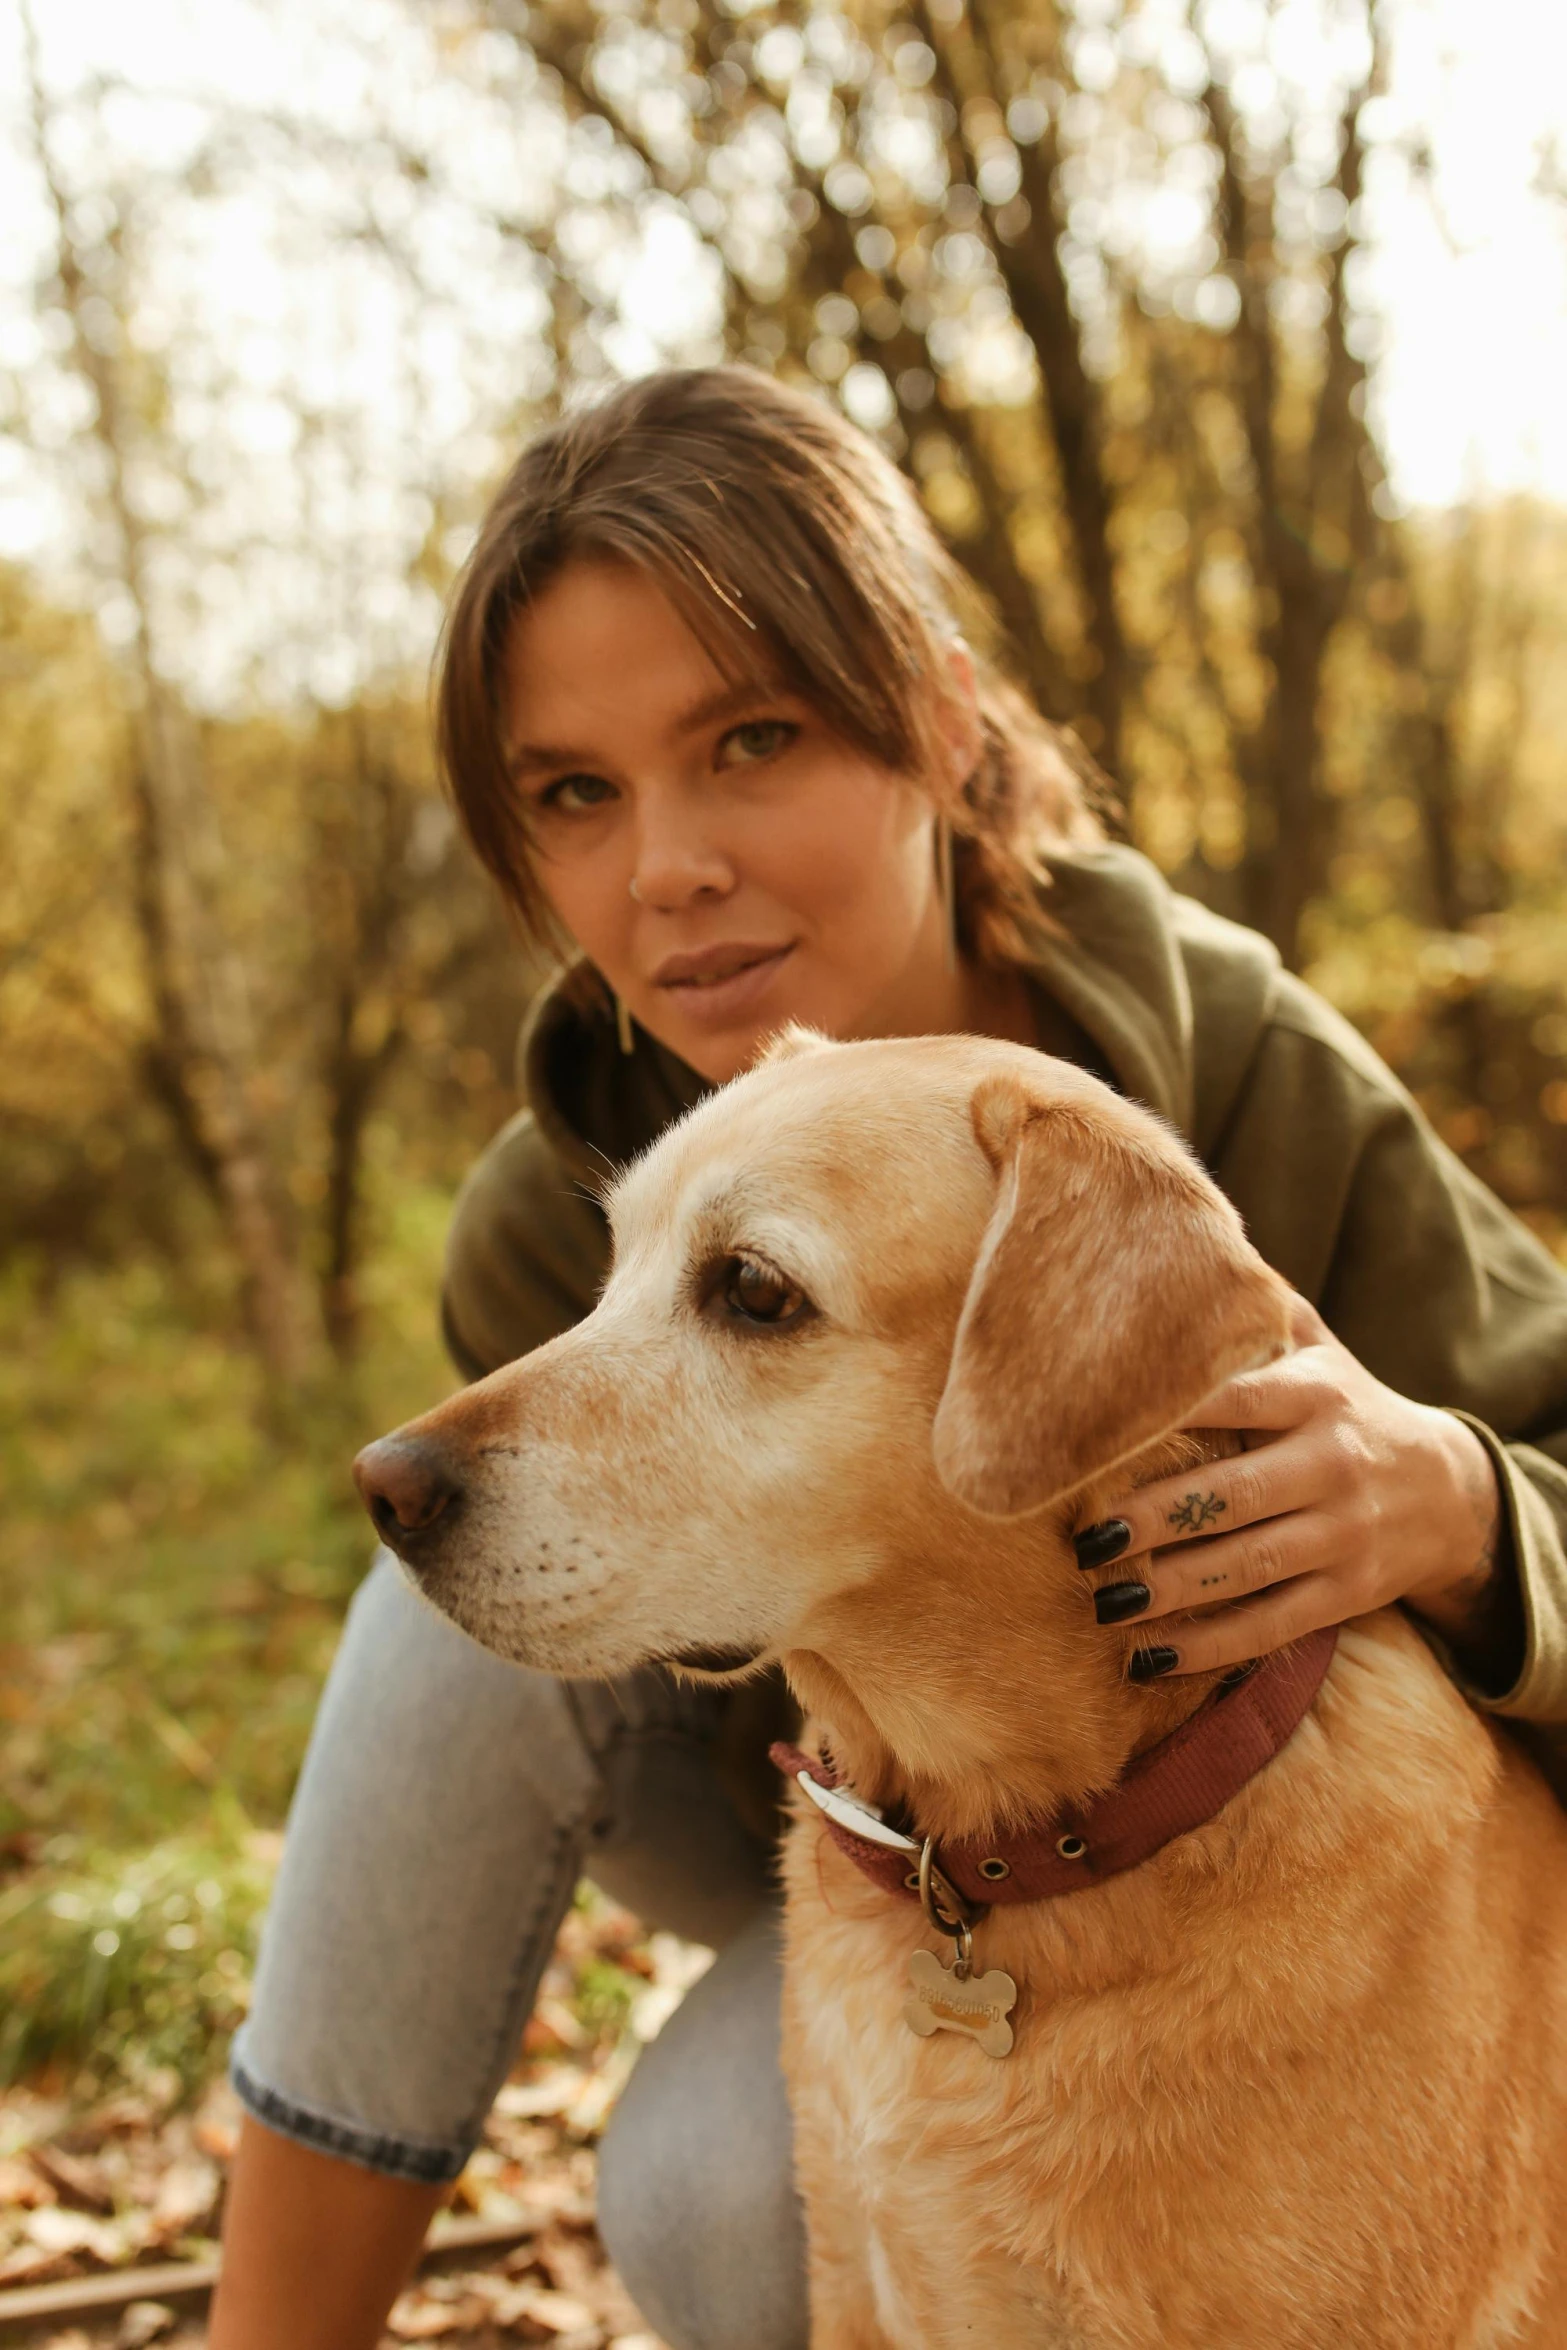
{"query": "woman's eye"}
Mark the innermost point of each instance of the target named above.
(758, 738)
(759, 1294)
(573, 793)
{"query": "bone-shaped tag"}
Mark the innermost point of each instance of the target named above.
(940, 2003)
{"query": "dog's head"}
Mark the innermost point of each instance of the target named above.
(864, 1302)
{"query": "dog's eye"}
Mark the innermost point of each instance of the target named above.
(759, 1294)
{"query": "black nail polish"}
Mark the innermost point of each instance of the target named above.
(1096, 1546)
(1117, 1601)
(1149, 1663)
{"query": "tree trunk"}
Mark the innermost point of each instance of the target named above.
(1036, 287)
(1309, 530)
(353, 1080)
(194, 982)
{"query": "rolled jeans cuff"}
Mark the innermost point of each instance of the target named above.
(427, 2162)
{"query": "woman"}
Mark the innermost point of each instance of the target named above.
(708, 720)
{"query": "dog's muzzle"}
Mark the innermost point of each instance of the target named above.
(411, 1491)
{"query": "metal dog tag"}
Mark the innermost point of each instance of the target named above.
(943, 2001)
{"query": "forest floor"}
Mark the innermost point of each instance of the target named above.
(133, 2183)
(173, 1576)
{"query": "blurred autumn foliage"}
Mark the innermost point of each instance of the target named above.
(1095, 273)
(1090, 275)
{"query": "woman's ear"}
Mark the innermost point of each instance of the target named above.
(957, 715)
(1114, 1289)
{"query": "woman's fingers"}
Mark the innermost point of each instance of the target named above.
(1216, 1499)
(1229, 1561)
(1238, 1635)
(1281, 1394)
(1213, 1574)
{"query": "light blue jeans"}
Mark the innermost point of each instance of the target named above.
(448, 1804)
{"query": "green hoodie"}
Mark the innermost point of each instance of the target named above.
(1342, 1184)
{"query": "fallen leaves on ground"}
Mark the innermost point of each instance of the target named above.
(135, 2178)
(104, 2187)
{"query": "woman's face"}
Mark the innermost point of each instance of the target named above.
(725, 860)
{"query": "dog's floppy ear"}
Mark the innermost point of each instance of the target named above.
(1114, 1290)
(791, 1042)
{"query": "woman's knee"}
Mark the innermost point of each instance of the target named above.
(435, 1841)
(696, 2184)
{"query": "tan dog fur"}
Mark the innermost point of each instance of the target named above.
(1300, 2080)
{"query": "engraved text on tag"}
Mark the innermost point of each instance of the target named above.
(939, 2002)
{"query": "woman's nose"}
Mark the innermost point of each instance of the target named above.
(677, 861)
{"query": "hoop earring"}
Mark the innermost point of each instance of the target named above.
(628, 1043)
(946, 889)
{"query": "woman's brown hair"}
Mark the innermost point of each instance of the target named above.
(799, 554)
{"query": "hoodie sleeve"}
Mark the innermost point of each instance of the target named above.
(1424, 1275)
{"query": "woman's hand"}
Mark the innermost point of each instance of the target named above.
(1347, 1497)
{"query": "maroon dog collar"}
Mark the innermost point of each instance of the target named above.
(1177, 1786)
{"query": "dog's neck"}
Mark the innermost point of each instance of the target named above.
(969, 1688)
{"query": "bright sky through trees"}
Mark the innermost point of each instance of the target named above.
(351, 342)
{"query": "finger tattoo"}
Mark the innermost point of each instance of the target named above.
(1194, 1511)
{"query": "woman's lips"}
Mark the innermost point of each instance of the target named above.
(713, 999)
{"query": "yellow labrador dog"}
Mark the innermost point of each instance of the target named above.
(1229, 2017)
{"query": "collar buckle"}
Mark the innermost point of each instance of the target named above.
(948, 1910)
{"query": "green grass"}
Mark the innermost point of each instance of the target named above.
(118, 1965)
(172, 1580)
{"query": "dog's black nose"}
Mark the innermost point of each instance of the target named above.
(405, 1484)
